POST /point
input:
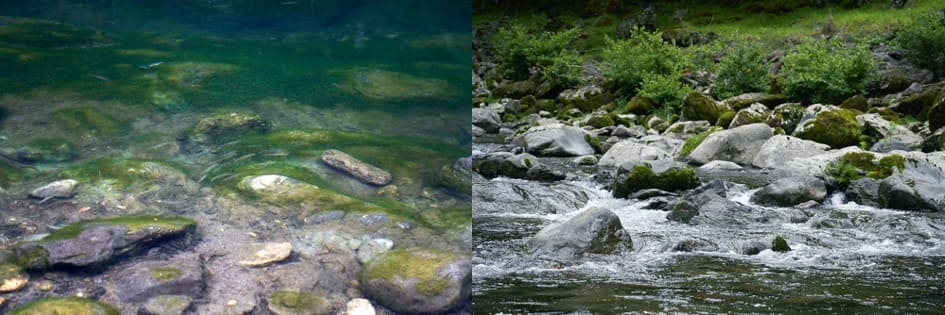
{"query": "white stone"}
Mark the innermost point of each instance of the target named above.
(359, 306)
(59, 189)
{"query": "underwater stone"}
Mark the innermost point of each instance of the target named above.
(93, 242)
(367, 173)
(267, 253)
(595, 230)
(359, 306)
(372, 248)
(418, 280)
(219, 128)
(143, 281)
(166, 305)
(59, 189)
(12, 277)
(66, 305)
(298, 303)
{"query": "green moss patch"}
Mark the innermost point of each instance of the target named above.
(122, 173)
(297, 302)
(165, 273)
(132, 223)
(836, 128)
(88, 122)
(780, 245)
(48, 150)
(856, 165)
(65, 305)
(642, 177)
(693, 142)
(417, 264)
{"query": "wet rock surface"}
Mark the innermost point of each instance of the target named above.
(418, 280)
(593, 231)
(364, 172)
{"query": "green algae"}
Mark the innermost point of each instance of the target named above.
(65, 305)
(297, 302)
(133, 224)
(123, 173)
(89, 122)
(836, 128)
(420, 265)
(165, 273)
(857, 165)
(693, 142)
(48, 150)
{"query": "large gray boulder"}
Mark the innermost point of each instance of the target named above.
(487, 119)
(779, 149)
(708, 205)
(739, 145)
(593, 231)
(555, 140)
(791, 191)
(632, 152)
(891, 136)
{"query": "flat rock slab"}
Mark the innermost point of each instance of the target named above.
(264, 254)
(58, 189)
(364, 172)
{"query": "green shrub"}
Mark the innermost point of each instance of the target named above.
(665, 91)
(629, 62)
(826, 71)
(519, 48)
(742, 70)
(922, 40)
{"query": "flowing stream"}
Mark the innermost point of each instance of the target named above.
(845, 258)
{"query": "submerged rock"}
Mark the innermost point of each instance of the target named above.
(264, 254)
(298, 303)
(181, 276)
(65, 305)
(366, 173)
(220, 128)
(12, 277)
(94, 242)
(791, 191)
(383, 85)
(59, 189)
(593, 231)
(166, 305)
(46, 150)
(418, 280)
(665, 175)
(359, 306)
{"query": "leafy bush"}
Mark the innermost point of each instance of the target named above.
(518, 48)
(645, 54)
(826, 71)
(741, 70)
(664, 90)
(923, 42)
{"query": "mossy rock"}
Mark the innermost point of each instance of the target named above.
(726, 119)
(668, 176)
(46, 150)
(124, 174)
(287, 191)
(780, 245)
(65, 305)
(34, 33)
(456, 177)
(918, 103)
(936, 115)
(600, 121)
(88, 122)
(786, 117)
(165, 273)
(384, 85)
(517, 89)
(132, 225)
(856, 102)
(298, 303)
(417, 280)
(639, 105)
(697, 106)
(856, 165)
(693, 142)
(167, 304)
(192, 74)
(224, 127)
(12, 277)
(837, 128)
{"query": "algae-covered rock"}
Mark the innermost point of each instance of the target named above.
(46, 150)
(366, 173)
(298, 303)
(166, 305)
(664, 175)
(697, 106)
(836, 127)
(140, 282)
(65, 305)
(94, 242)
(384, 85)
(457, 176)
(287, 191)
(418, 280)
(88, 123)
(224, 127)
(122, 174)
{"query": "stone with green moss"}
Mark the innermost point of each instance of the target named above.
(836, 127)
(639, 105)
(754, 113)
(12, 277)
(856, 165)
(693, 142)
(457, 176)
(725, 119)
(94, 242)
(167, 305)
(786, 117)
(46, 150)
(224, 127)
(384, 85)
(856, 102)
(86, 123)
(287, 191)
(289, 302)
(65, 305)
(936, 115)
(124, 174)
(418, 280)
(664, 175)
(600, 121)
(780, 245)
(918, 103)
(697, 106)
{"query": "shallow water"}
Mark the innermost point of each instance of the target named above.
(845, 258)
(109, 93)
